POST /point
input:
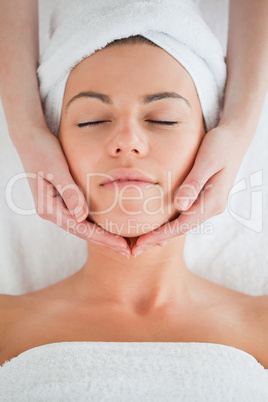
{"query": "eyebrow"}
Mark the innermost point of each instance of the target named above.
(143, 101)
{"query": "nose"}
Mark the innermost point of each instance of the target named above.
(128, 140)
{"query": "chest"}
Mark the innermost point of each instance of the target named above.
(42, 326)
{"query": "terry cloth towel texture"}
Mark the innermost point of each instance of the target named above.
(133, 371)
(84, 26)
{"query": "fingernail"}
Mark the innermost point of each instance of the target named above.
(124, 251)
(144, 247)
(183, 202)
(79, 213)
(125, 255)
(162, 244)
(138, 253)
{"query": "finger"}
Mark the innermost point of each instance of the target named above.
(49, 190)
(159, 235)
(55, 211)
(203, 169)
(97, 235)
(71, 194)
(162, 243)
(212, 201)
(45, 197)
(88, 231)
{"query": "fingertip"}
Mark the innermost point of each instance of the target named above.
(162, 244)
(80, 214)
(81, 219)
(183, 203)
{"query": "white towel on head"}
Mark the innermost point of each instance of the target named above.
(175, 25)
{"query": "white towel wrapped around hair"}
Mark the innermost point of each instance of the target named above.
(85, 26)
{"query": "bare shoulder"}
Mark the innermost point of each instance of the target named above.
(261, 313)
(9, 301)
(257, 310)
(7, 304)
(258, 320)
(10, 307)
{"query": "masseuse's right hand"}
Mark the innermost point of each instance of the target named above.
(56, 196)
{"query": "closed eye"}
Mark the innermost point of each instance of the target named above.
(94, 123)
(167, 123)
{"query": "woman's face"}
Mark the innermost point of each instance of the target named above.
(133, 134)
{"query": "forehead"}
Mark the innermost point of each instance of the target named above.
(131, 63)
(129, 71)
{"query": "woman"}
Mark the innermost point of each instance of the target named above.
(114, 299)
(245, 92)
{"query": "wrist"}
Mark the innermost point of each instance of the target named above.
(241, 121)
(20, 129)
(23, 117)
(243, 103)
(242, 111)
(24, 137)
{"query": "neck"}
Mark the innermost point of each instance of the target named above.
(155, 278)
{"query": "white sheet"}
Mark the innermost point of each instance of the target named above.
(136, 371)
(36, 253)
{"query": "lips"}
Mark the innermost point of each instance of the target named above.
(120, 180)
(125, 175)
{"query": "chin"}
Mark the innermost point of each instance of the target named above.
(128, 227)
(132, 225)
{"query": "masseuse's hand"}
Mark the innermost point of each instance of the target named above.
(57, 198)
(204, 192)
(223, 148)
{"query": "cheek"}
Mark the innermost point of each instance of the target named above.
(79, 159)
(179, 158)
(179, 161)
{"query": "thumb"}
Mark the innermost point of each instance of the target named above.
(193, 184)
(72, 196)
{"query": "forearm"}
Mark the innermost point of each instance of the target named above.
(247, 61)
(19, 53)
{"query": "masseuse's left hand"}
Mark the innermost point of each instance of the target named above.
(223, 148)
(204, 192)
